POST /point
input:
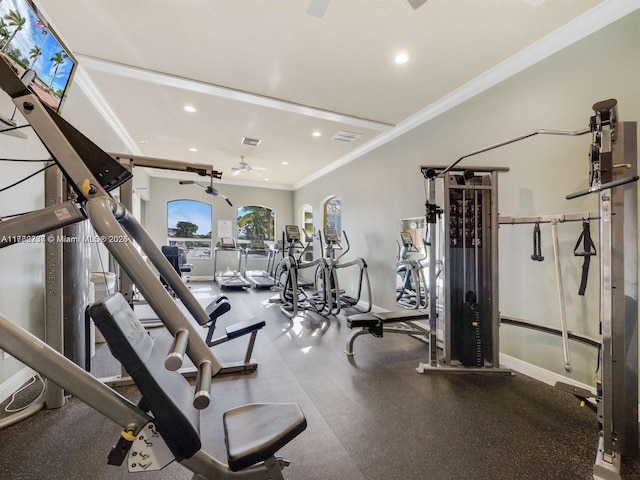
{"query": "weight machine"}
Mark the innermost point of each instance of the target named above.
(253, 433)
(613, 176)
(469, 318)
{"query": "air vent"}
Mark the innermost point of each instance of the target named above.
(343, 136)
(253, 142)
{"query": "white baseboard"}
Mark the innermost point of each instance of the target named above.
(12, 385)
(539, 373)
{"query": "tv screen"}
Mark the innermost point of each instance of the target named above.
(28, 42)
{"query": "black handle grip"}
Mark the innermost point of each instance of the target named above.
(604, 186)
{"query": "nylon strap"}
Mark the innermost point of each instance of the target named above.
(589, 250)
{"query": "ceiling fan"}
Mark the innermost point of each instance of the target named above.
(242, 165)
(318, 7)
(208, 189)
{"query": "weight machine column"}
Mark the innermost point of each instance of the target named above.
(618, 392)
(432, 222)
(53, 304)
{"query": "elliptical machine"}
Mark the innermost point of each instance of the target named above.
(327, 280)
(291, 294)
(411, 289)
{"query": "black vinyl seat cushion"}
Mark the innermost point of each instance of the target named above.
(256, 431)
(168, 394)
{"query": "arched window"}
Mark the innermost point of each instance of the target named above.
(256, 222)
(189, 227)
(333, 214)
(307, 219)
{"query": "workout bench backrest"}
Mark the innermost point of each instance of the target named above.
(167, 393)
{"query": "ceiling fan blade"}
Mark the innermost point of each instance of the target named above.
(236, 172)
(262, 169)
(226, 199)
(317, 7)
(416, 3)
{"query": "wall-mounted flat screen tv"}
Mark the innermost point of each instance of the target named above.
(27, 40)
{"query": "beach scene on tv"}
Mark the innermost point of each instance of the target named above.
(28, 44)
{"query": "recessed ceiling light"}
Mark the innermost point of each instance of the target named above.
(266, 179)
(316, 133)
(142, 142)
(190, 109)
(193, 149)
(285, 163)
(401, 58)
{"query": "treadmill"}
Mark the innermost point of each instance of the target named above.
(257, 249)
(231, 279)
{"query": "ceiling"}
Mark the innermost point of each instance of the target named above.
(269, 70)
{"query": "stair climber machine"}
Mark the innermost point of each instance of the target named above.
(258, 250)
(472, 251)
(293, 298)
(164, 426)
(229, 278)
(411, 291)
(339, 299)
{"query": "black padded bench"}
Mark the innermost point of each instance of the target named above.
(253, 433)
(374, 324)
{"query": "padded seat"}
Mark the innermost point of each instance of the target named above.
(402, 315)
(242, 328)
(256, 431)
(168, 394)
(374, 319)
(362, 320)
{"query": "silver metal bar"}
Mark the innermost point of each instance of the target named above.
(125, 284)
(202, 397)
(163, 266)
(494, 273)
(42, 358)
(54, 216)
(560, 289)
(559, 218)
(129, 160)
(54, 279)
(606, 314)
(476, 258)
(102, 213)
(446, 340)
(175, 358)
(433, 288)
(249, 352)
(570, 133)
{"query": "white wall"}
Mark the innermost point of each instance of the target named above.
(557, 93)
(22, 274)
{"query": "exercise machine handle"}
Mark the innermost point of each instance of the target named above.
(175, 358)
(202, 397)
(604, 186)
